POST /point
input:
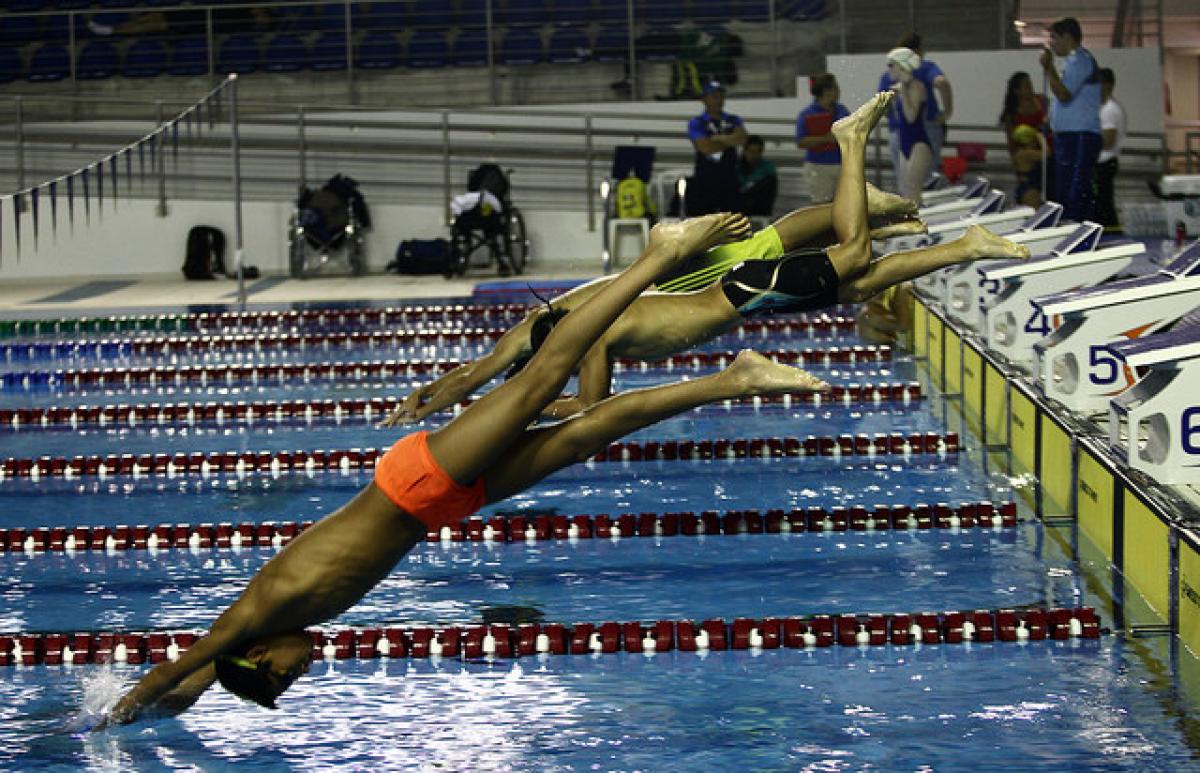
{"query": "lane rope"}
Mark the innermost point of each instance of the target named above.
(280, 373)
(279, 462)
(336, 411)
(503, 641)
(534, 527)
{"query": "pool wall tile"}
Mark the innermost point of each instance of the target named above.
(973, 385)
(1147, 553)
(952, 347)
(1189, 592)
(1056, 472)
(1096, 499)
(995, 406)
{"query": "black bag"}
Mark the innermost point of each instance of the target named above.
(205, 257)
(421, 256)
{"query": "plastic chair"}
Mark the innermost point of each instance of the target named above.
(432, 13)
(49, 63)
(378, 51)
(568, 45)
(240, 54)
(612, 44)
(573, 11)
(523, 12)
(388, 16)
(329, 52)
(189, 57)
(145, 59)
(10, 65)
(98, 59)
(471, 47)
(659, 12)
(19, 30)
(521, 46)
(428, 49)
(285, 53)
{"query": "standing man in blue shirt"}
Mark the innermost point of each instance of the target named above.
(822, 159)
(716, 136)
(938, 106)
(1074, 117)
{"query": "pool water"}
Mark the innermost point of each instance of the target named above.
(1082, 704)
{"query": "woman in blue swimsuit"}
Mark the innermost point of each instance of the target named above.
(910, 107)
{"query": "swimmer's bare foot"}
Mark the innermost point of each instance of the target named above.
(680, 240)
(902, 228)
(754, 374)
(982, 243)
(884, 203)
(853, 130)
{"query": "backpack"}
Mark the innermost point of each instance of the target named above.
(632, 198)
(205, 256)
(421, 256)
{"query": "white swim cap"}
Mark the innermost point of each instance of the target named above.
(905, 58)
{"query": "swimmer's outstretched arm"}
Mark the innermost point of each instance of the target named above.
(458, 384)
(172, 687)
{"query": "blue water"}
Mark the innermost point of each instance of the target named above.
(1077, 705)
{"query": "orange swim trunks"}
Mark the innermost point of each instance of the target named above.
(409, 476)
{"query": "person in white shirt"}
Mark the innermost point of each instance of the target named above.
(1112, 129)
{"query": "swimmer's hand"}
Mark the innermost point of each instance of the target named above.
(410, 410)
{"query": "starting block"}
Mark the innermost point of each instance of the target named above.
(1074, 364)
(1155, 426)
(993, 201)
(957, 286)
(971, 189)
(985, 213)
(1012, 323)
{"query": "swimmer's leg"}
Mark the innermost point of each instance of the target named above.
(480, 436)
(813, 226)
(976, 243)
(545, 449)
(852, 254)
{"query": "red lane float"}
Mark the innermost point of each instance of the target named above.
(241, 343)
(474, 641)
(309, 411)
(231, 374)
(345, 460)
(534, 527)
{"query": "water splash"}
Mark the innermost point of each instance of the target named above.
(101, 688)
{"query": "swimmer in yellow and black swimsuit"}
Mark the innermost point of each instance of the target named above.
(784, 267)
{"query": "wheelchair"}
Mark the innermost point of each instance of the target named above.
(328, 224)
(485, 219)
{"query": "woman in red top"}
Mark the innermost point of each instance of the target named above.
(1025, 108)
(1022, 107)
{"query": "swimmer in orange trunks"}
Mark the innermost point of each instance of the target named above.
(258, 646)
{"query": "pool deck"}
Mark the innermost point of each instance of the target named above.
(77, 295)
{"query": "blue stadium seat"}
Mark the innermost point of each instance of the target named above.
(656, 53)
(611, 13)
(160, 3)
(473, 13)
(521, 46)
(97, 59)
(72, 5)
(58, 28)
(432, 13)
(285, 53)
(522, 12)
(19, 30)
(10, 65)
(569, 44)
(754, 10)
(331, 16)
(471, 47)
(428, 49)
(26, 6)
(329, 51)
(802, 10)
(145, 59)
(389, 16)
(612, 44)
(378, 51)
(189, 57)
(714, 10)
(574, 11)
(238, 53)
(111, 20)
(660, 12)
(51, 62)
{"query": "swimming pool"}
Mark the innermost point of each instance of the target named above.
(1080, 702)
